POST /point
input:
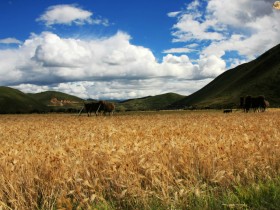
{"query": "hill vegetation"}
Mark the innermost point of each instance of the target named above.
(50, 98)
(158, 102)
(15, 101)
(258, 77)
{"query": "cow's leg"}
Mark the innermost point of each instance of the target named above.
(97, 109)
(81, 111)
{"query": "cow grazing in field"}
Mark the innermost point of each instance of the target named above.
(107, 107)
(256, 103)
(227, 111)
(266, 104)
(98, 107)
(247, 104)
(91, 107)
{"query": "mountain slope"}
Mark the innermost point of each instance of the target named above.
(150, 102)
(258, 77)
(15, 101)
(49, 98)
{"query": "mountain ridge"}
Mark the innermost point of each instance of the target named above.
(257, 77)
(15, 101)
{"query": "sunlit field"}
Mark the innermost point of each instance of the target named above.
(180, 160)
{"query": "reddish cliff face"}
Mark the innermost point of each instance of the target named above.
(56, 102)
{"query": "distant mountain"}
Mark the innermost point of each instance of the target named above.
(157, 102)
(55, 98)
(258, 77)
(15, 101)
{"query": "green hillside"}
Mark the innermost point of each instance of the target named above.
(47, 96)
(150, 102)
(258, 77)
(15, 101)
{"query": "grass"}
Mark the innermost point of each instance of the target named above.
(179, 160)
(14, 101)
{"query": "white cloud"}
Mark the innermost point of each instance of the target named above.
(211, 66)
(30, 88)
(97, 68)
(193, 5)
(179, 66)
(173, 14)
(246, 27)
(119, 89)
(10, 41)
(178, 50)
(69, 14)
(240, 12)
(112, 67)
(189, 27)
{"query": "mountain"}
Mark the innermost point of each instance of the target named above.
(157, 102)
(15, 101)
(258, 77)
(55, 98)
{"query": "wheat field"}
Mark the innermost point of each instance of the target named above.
(71, 162)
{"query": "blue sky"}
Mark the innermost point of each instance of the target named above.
(126, 49)
(146, 21)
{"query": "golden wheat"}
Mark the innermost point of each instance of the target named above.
(57, 161)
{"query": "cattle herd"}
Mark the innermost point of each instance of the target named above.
(255, 103)
(100, 107)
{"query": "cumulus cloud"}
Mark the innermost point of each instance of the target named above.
(119, 89)
(50, 58)
(211, 66)
(189, 27)
(109, 67)
(67, 15)
(179, 50)
(256, 27)
(10, 41)
(112, 67)
(245, 27)
(173, 14)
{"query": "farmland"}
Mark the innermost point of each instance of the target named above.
(180, 160)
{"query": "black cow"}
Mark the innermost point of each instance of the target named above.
(107, 107)
(227, 110)
(98, 107)
(91, 107)
(265, 105)
(248, 103)
(256, 103)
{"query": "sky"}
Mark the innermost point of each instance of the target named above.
(121, 49)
